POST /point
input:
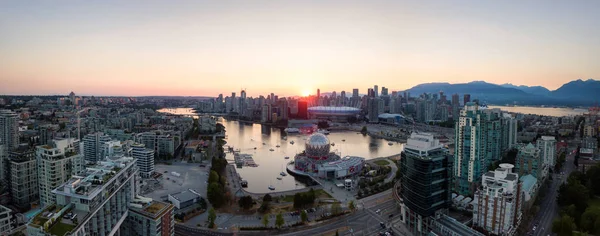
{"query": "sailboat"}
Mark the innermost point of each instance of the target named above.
(279, 177)
(283, 172)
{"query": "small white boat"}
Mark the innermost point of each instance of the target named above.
(279, 178)
(292, 142)
(286, 157)
(277, 146)
(271, 149)
(390, 143)
(271, 187)
(332, 144)
(283, 173)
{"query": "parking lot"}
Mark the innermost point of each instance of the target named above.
(191, 176)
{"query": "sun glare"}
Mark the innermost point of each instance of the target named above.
(305, 93)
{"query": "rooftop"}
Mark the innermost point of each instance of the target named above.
(185, 195)
(149, 207)
(88, 183)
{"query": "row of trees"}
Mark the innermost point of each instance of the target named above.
(573, 198)
(216, 191)
(304, 199)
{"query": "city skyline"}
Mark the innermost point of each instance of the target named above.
(207, 48)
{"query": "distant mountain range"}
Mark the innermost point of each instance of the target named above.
(574, 93)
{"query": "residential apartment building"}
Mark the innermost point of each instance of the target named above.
(498, 202)
(472, 151)
(95, 202)
(55, 166)
(426, 177)
(529, 161)
(547, 147)
(6, 220)
(22, 174)
(589, 131)
(145, 159)
(9, 137)
(92, 146)
(149, 218)
(164, 143)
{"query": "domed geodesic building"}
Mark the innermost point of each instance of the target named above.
(318, 160)
(317, 146)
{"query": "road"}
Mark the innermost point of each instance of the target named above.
(548, 207)
(364, 221)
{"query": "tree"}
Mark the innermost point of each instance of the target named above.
(213, 177)
(62, 126)
(212, 216)
(364, 130)
(265, 220)
(267, 198)
(303, 216)
(279, 221)
(336, 209)
(245, 202)
(214, 193)
(564, 226)
(351, 205)
(590, 220)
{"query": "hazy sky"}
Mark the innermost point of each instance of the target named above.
(290, 47)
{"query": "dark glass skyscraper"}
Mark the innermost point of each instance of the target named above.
(426, 177)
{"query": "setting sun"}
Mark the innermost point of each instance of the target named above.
(305, 93)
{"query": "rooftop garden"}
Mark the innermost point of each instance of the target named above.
(61, 228)
(154, 207)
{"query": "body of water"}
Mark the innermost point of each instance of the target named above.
(246, 136)
(543, 111)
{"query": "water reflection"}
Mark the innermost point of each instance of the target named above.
(246, 137)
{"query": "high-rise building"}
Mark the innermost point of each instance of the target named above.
(547, 147)
(470, 149)
(318, 94)
(9, 137)
(163, 142)
(92, 146)
(23, 177)
(498, 202)
(509, 131)
(355, 93)
(373, 109)
(302, 110)
(529, 162)
(144, 158)
(266, 113)
(384, 91)
(455, 100)
(466, 99)
(98, 201)
(425, 177)
(149, 217)
(55, 165)
(342, 98)
(371, 93)
(375, 91)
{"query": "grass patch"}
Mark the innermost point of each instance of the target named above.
(320, 193)
(61, 228)
(287, 198)
(382, 162)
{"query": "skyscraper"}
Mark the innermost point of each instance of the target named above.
(302, 110)
(466, 99)
(425, 177)
(342, 98)
(470, 149)
(373, 109)
(376, 91)
(355, 93)
(455, 100)
(56, 164)
(384, 91)
(370, 93)
(318, 94)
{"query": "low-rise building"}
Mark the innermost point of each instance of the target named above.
(184, 199)
(6, 220)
